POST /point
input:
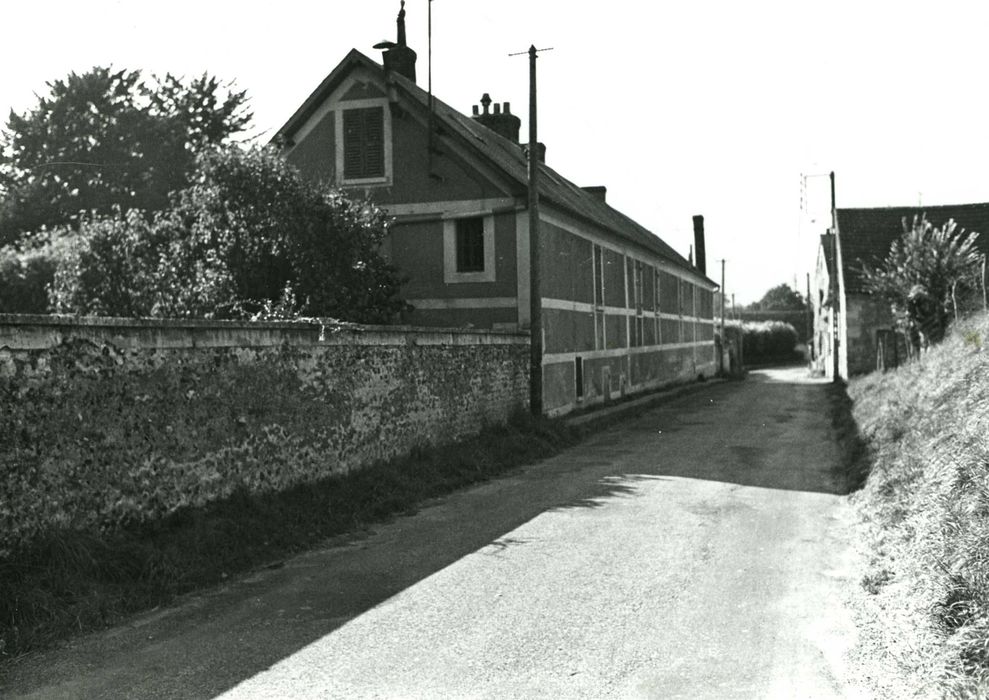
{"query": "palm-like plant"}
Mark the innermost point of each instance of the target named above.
(925, 273)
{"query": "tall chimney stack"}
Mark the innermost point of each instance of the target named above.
(398, 57)
(700, 256)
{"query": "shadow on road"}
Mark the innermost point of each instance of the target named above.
(768, 432)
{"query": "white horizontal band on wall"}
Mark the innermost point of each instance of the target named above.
(464, 303)
(450, 209)
(558, 357)
(584, 307)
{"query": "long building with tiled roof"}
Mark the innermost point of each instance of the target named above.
(621, 310)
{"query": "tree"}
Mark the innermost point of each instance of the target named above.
(249, 238)
(109, 138)
(925, 273)
(781, 298)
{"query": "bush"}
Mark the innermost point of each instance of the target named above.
(250, 238)
(27, 270)
(120, 265)
(928, 277)
(767, 341)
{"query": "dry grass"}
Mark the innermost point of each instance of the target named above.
(926, 508)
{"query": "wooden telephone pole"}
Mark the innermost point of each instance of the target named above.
(535, 288)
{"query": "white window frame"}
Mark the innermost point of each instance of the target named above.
(450, 273)
(381, 102)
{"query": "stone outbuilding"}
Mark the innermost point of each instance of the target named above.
(853, 331)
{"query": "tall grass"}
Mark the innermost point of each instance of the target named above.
(926, 503)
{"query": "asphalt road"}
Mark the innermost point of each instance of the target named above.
(699, 550)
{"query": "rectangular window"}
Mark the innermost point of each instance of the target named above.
(599, 325)
(639, 331)
(578, 375)
(470, 244)
(669, 293)
(363, 143)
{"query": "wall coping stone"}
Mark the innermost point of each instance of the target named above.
(36, 331)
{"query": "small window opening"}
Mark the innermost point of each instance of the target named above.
(470, 245)
(578, 375)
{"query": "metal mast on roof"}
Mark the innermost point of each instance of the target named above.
(429, 80)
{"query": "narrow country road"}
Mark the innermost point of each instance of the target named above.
(699, 550)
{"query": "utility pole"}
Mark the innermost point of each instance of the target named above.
(836, 308)
(535, 288)
(724, 340)
(723, 300)
(810, 319)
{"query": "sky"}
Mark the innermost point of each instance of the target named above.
(678, 108)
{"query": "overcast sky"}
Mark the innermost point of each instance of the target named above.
(679, 108)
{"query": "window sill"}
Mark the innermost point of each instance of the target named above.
(466, 277)
(366, 182)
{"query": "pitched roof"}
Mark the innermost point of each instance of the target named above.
(867, 234)
(504, 154)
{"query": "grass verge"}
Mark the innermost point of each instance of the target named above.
(70, 582)
(925, 506)
(852, 469)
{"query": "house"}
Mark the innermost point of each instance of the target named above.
(621, 311)
(853, 330)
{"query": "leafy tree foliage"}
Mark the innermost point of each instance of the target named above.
(27, 270)
(928, 269)
(109, 138)
(249, 238)
(780, 298)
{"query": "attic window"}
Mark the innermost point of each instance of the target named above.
(363, 143)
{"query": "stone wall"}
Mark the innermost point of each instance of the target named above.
(110, 421)
(864, 316)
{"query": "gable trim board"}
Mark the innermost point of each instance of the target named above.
(471, 171)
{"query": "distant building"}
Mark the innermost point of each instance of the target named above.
(852, 328)
(621, 310)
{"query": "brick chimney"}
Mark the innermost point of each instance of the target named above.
(599, 191)
(398, 57)
(699, 244)
(500, 119)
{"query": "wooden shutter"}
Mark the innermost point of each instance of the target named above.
(470, 245)
(374, 142)
(363, 143)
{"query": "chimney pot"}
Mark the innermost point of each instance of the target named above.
(501, 122)
(476, 111)
(508, 108)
